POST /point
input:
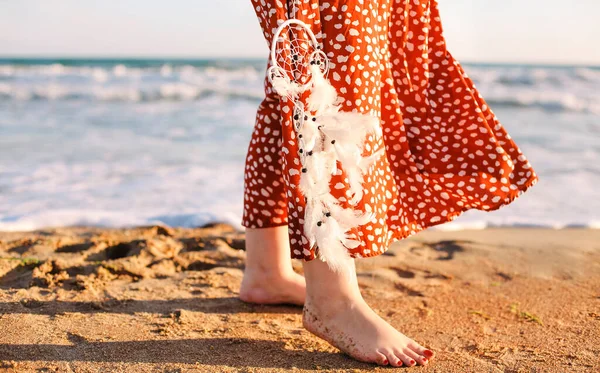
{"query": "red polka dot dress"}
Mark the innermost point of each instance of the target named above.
(444, 150)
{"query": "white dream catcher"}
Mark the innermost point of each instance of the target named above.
(325, 137)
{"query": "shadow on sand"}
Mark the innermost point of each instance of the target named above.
(232, 352)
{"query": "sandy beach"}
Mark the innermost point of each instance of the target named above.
(155, 299)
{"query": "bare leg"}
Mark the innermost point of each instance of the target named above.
(269, 277)
(335, 311)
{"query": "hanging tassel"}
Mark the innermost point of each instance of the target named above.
(328, 139)
(333, 137)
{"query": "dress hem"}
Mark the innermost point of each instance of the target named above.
(512, 197)
(450, 217)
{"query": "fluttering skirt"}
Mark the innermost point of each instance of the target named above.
(445, 150)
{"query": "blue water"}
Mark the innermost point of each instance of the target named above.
(116, 142)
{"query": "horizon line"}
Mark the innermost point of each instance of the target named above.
(258, 58)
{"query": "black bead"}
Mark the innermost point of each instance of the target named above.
(310, 152)
(328, 214)
(300, 136)
(314, 119)
(318, 62)
(319, 223)
(304, 170)
(306, 117)
(319, 127)
(333, 141)
(301, 151)
(296, 117)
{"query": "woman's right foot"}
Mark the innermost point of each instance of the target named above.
(264, 288)
(354, 328)
(269, 277)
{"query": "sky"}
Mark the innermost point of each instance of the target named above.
(517, 31)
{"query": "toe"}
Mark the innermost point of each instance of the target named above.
(421, 350)
(392, 358)
(406, 360)
(381, 359)
(415, 356)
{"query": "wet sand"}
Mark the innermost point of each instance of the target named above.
(156, 299)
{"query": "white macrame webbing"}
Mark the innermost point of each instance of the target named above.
(325, 136)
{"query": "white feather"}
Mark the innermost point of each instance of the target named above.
(322, 174)
(331, 249)
(286, 88)
(313, 214)
(349, 128)
(349, 218)
(323, 94)
(351, 243)
(330, 163)
(367, 162)
(306, 186)
(310, 135)
(314, 183)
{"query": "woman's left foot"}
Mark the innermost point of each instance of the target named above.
(352, 326)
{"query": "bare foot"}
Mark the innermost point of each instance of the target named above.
(263, 288)
(354, 328)
(269, 277)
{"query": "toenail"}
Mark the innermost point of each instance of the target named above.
(428, 353)
(412, 362)
(385, 362)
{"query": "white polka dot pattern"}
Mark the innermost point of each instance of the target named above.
(446, 152)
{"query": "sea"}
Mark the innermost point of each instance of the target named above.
(124, 142)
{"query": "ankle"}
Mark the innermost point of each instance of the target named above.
(268, 274)
(332, 302)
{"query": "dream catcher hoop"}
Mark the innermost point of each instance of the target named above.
(327, 138)
(293, 49)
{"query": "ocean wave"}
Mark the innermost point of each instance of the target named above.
(162, 92)
(532, 75)
(179, 91)
(552, 89)
(548, 88)
(555, 101)
(126, 83)
(504, 74)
